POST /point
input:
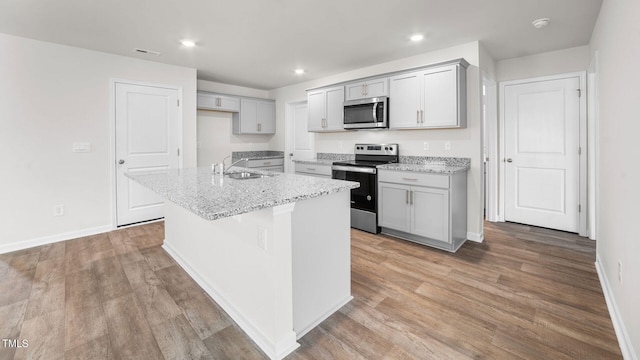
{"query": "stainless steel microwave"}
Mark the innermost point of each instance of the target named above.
(368, 113)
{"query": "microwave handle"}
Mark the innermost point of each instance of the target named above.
(375, 112)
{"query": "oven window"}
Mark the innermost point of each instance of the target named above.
(364, 197)
(362, 114)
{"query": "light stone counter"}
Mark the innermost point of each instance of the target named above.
(213, 196)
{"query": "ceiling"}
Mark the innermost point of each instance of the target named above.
(259, 43)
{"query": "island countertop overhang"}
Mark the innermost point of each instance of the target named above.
(212, 196)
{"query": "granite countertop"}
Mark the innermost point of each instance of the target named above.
(214, 197)
(435, 167)
(315, 161)
(256, 155)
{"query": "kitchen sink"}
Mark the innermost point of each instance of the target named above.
(244, 175)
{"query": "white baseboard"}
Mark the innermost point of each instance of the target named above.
(273, 351)
(477, 237)
(626, 347)
(20, 245)
(302, 332)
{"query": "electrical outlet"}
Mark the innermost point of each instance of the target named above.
(262, 238)
(58, 210)
(619, 271)
(426, 145)
(447, 145)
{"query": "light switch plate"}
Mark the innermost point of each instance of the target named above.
(426, 145)
(81, 147)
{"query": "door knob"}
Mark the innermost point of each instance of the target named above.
(121, 161)
(509, 160)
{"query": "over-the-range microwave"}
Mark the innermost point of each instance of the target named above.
(368, 113)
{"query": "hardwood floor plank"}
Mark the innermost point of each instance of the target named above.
(360, 338)
(129, 332)
(177, 340)
(231, 343)
(45, 335)
(157, 258)
(157, 304)
(11, 321)
(112, 281)
(322, 345)
(95, 349)
(83, 324)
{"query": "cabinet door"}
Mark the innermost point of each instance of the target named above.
(211, 101)
(376, 87)
(367, 89)
(440, 97)
(248, 119)
(266, 117)
(404, 101)
(393, 206)
(430, 213)
(229, 103)
(335, 109)
(316, 110)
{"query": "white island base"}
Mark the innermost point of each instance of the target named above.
(278, 272)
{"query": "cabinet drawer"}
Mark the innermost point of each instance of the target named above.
(316, 169)
(414, 178)
(254, 163)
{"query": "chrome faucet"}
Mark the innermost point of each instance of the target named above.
(222, 167)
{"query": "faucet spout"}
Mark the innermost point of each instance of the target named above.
(226, 171)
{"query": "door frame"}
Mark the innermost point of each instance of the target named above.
(582, 172)
(289, 132)
(112, 136)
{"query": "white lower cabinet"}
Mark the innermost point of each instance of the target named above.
(425, 208)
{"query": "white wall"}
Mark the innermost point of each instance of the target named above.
(51, 96)
(464, 142)
(549, 63)
(216, 139)
(615, 38)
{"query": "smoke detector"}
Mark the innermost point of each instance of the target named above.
(540, 23)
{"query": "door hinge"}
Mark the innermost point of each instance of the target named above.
(579, 92)
(178, 151)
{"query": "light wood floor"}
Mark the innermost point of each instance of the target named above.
(524, 293)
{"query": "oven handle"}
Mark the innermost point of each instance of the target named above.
(375, 115)
(365, 170)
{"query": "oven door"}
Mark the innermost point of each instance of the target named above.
(364, 197)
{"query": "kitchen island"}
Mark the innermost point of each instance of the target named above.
(273, 252)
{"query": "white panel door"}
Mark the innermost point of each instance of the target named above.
(303, 141)
(430, 215)
(394, 210)
(147, 128)
(404, 94)
(542, 139)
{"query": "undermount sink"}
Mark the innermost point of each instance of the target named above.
(244, 175)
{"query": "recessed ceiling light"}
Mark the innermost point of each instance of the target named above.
(540, 23)
(299, 71)
(188, 43)
(416, 37)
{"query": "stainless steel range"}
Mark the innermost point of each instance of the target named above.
(364, 201)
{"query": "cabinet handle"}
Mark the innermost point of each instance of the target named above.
(417, 116)
(218, 102)
(409, 179)
(406, 198)
(267, 163)
(311, 169)
(366, 89)
(411, 198)
(422, 116)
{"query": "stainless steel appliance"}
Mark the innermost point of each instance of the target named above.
(364, 200)
(368, 113)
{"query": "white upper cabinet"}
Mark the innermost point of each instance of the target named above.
(367, 89)
(325, 109)
(218, 102)
(256, 117)
(429, 98)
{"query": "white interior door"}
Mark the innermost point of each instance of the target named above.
(302, 141)
(147, 129)
(542, 163)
